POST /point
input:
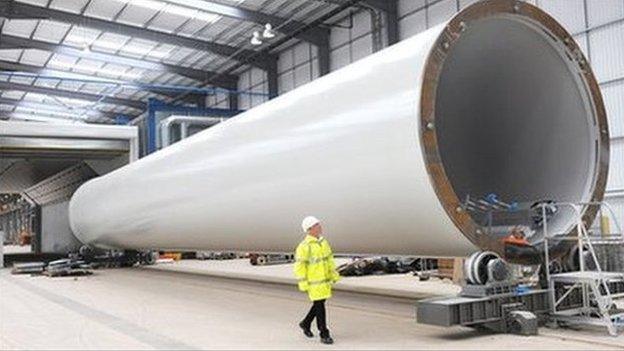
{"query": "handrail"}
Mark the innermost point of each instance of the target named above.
(582, 235)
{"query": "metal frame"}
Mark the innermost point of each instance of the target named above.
(317, 36)
(22, 10)
(73, 94)
(390, 8)
(265, 60)
(323, 54)
(52, 108)
(593, 285)
(154, 105)
(226, 81)
(21, 67)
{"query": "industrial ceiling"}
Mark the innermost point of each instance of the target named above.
(91, 60)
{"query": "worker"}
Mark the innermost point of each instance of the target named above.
(516, 243)
(516, 238)
(315, 271)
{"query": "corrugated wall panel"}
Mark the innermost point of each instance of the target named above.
(302, 74)
(617, 205)
(440, 12)
(616, 167)
(604, 46)
(408, 6)
(465, 3)
(583, 42)
(570, 13)
(607, 52)
(286, 82)
(613, 95)
(295, 66)
(604, 11)
(361, 25)
(252, 80)
(413, 24)
(361, 47)
(340, 57)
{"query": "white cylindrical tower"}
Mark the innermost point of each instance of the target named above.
(498, 100)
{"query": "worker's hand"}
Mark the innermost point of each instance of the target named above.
(303, 286)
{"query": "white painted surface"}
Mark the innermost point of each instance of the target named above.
(603, 46)
(84, 131)
(145, 310)
(353, 161)
(20, 129)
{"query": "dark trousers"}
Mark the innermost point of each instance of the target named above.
(317, 311)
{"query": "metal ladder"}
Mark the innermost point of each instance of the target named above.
(595, 299)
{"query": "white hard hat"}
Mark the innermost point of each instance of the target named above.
(309, 222)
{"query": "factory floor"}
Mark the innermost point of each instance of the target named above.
(393, 285)
(159, 308)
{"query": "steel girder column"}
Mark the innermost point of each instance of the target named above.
(122, 119)
(36, 232)
(272, 78)
(323, 53)
(233, 95)
(233, 100)
(390, 8)
(319, 37)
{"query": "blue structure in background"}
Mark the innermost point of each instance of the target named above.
(122, 120)
(155, 105)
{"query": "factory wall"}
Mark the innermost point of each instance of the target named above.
(220, 100)
(253, 81)
(597, 25)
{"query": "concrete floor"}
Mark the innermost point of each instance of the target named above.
(159, 309)
(395, 285)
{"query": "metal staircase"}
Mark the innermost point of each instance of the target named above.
(584, 296)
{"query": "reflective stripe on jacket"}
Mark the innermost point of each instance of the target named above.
(315, 269)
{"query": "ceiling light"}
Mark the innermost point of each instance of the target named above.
(255, 39)
(268, 31)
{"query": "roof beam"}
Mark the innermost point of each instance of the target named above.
(45, 107)
(22, 10)
(20, 67)
(193, 97)
(227, 81)
(73, 94)
(390, 8)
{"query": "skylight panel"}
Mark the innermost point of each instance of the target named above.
(110, 42)
(19, 27)
(189, 9)
(81, 37)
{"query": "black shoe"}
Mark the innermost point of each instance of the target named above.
(327, 340)
(306, 330)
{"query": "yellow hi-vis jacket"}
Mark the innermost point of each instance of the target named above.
(315, 268)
